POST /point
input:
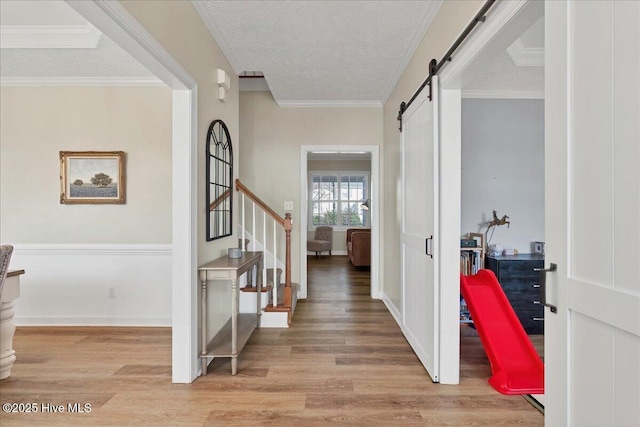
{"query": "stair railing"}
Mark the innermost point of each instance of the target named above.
(278, 221)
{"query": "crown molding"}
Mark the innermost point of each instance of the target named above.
(503, 94)
(49, 36)
(526, 56)
(80, 81)
(330, 104)
(411, 50)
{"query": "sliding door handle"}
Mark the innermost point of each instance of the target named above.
(543, 285)
(427, 246)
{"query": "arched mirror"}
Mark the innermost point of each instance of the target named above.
(219, 181)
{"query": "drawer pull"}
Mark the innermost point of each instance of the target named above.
(536, 286)
(535, 301)
(538, 319)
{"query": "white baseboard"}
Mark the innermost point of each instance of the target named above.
(69, 284)
(397, 315)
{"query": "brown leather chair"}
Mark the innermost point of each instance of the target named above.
(359, 246)
(322, 240)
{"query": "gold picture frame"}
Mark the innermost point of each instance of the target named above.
(92, 177)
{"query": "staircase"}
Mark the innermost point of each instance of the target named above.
(268, 231)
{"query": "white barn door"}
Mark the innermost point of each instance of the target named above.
(592, 344)
(420, 298)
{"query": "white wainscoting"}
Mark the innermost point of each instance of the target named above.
(70, 284)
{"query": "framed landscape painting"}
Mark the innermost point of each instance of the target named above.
(92, 177)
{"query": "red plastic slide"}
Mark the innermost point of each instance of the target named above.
(515, 364)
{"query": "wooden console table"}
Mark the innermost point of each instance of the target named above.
(236, 332)
(10, 292)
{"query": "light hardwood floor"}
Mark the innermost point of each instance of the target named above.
(344, 361)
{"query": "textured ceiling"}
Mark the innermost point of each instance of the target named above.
(534, 36)
(312, 52)
(332, 52)
(503, 78)
(51, 31)
(34, 12)
(106, 60)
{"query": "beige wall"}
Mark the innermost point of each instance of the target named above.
(179, 29)
(271, 140)
(339, 243)
(451, 19)
(37, 123)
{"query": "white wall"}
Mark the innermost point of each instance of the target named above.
(271, 140)
(73, 254)
(503, 169)
(339, 243)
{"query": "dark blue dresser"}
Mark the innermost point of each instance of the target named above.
(521, 286)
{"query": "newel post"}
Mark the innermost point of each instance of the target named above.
(287, 273)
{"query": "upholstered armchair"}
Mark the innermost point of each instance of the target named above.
(322, 241)
(359, 246)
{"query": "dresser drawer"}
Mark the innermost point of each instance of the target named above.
(523, 301)
(521, 286)
(519, 269)
(532, 320)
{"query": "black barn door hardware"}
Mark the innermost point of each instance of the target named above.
(435, 66)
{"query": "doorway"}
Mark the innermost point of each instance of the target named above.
(114, 21)
(352, 152)
(505, 23)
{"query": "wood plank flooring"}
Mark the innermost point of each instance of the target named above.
(344, 361)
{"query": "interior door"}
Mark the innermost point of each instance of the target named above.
(420, 315)
(592, 343)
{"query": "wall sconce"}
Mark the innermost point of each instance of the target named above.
(224, 83)
(365, 205)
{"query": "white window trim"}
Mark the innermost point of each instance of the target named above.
(312, 173)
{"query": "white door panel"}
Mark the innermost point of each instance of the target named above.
(420, 302)
(592, 153)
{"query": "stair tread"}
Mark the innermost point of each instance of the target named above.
(278, 308)
(266, 288)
